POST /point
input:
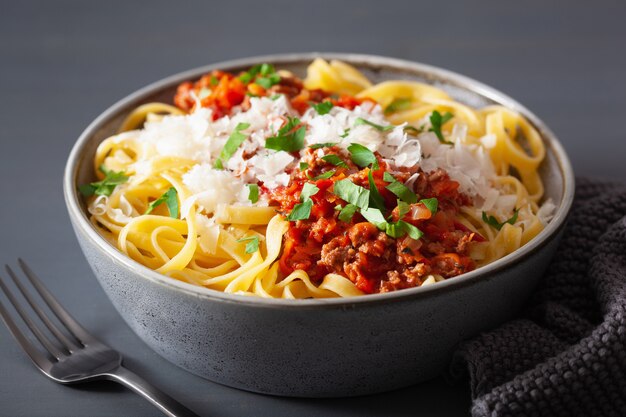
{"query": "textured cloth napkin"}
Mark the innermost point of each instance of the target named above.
(566, 354)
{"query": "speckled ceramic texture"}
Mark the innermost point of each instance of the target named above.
(316, 348)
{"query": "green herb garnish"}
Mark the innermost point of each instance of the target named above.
(362, 156)
(232, 144)
(214, 81)
(361, 121)
(322, 145)
(304, 166)
(267, 82)
(335, 160)
(290, 138)
(412, 130)
(437, 121)
(347, 212)
(170, 198)
(252, 245)
(493, 222)
(301, 211)
(307, 191)
(345, 133)
(402, 192)
(326, 175)
(352, 193)
(431, 204)
(105, 187)
(323, 107)
(397, 105)
(253, 193)
(376, 200)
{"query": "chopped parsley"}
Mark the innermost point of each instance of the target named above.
(326, 175)
(267, 82)
(105, 187)
(398, 104)
(323, 107)
(307, 191)
(347, 212)
(403, 208)
(335, 160)
(360, 121)
(252, 245)
(376, 200)
(345, 133)
(232, 144)
(412, 130)
(322, 145)
(352, 193)
(170, 198)
(402, 192)
(253, 193)
(304, 166)
(362, 156)
(493, 222)
(214, 81)
(431, 204)
(437, 121)
(302, 210)
(375, 216)
(290, 138)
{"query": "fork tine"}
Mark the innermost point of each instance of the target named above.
(67, 343)
(43, 339)
(35, 355)
(64, 317)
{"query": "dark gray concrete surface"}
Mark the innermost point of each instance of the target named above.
(63, 62)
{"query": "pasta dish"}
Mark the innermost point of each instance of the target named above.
(262, 183)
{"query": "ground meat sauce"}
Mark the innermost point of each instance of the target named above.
(223, 91)
(358, 250)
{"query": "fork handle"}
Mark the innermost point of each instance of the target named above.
(166, 404)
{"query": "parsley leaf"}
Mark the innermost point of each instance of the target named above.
(402, 192)
(275, 97)
(214, 81)
(431, 204)
(307, 191)
(253, 193)
(288, 139)
(326, 175)
(347, 212)
(376, 200)
(335, 160)
(170, 198)
(322, 145)
(352, 193)
(437, 121)
(301, 211)
(362, 156)
(388, 177)
(304, 166)
(268, 81)
(323, 107)
(412, 130)
(493, 222)
(398, 104)
(105, 187)
(375, 216)
(232, 144)
(266, 69)
(403, 209)
(411, 230)
(361, 121)
(252, 245)
(345, 133)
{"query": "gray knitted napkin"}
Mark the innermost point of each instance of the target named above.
(566, 355)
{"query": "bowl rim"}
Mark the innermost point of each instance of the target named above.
(487, 272)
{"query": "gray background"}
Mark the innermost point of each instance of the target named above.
(63, 62)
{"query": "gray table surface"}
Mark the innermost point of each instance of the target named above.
(63, 62)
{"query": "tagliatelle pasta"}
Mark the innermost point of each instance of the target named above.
(262, 184)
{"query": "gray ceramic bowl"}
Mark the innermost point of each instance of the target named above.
(316, 348)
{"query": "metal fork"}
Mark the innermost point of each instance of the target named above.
(79, 357)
